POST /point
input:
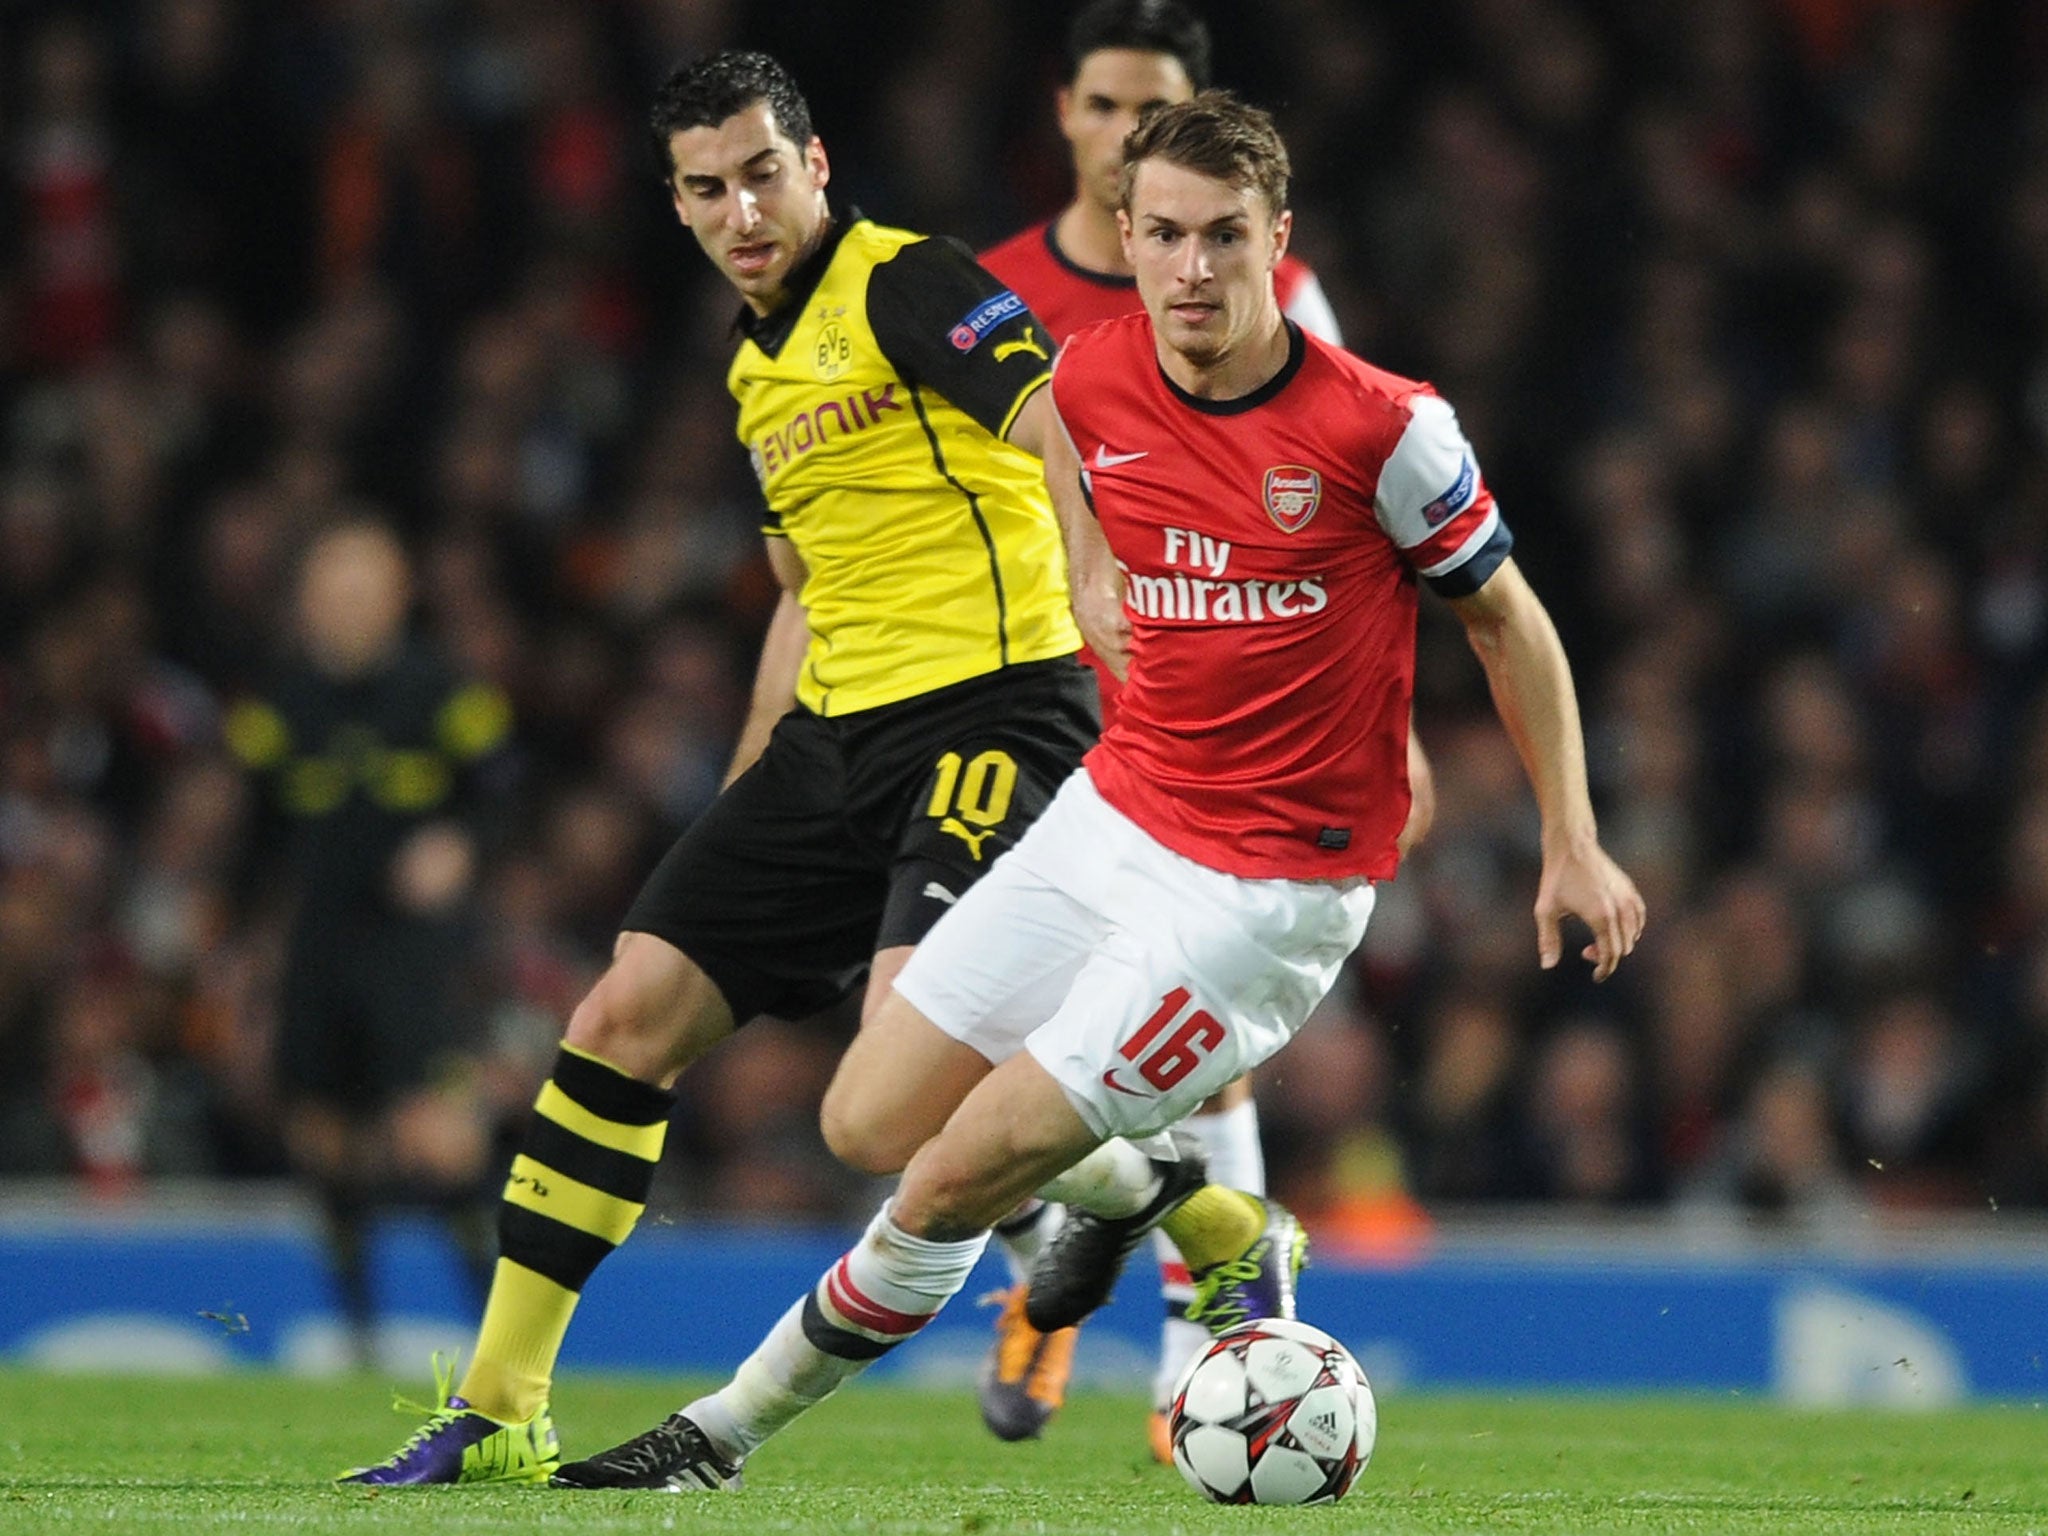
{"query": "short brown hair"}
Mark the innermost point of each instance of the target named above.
(1214, 134)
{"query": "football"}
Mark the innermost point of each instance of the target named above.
(1273, 1412)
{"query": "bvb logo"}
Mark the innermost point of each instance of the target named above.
(834, 354)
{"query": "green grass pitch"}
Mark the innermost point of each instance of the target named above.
(253, 1454)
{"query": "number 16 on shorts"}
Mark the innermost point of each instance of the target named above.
(1163, 1062)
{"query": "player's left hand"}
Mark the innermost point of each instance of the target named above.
(1100, 616)
(1583, 881)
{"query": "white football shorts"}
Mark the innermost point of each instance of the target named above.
(1142, 981)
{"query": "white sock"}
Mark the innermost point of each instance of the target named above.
(1024, 1234)
(1116, 1179)
(1231, 1138)
(886, 1288)
(1236, 1161)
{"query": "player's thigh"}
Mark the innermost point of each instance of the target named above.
(1002, 960)
(982, 762)
(993, 967)
(1237, 1091)
(772, 894)
(319, 1053)
(897, 1083)
(1015, 1131)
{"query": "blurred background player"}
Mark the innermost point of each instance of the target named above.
(1124, 58)
(373, 756)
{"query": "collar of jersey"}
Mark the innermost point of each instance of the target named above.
(1297, 351)
(770, 331)
(1086, 274)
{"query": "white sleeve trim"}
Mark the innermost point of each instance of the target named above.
(1429, 478)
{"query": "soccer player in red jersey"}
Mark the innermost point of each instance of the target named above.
(1249, 512)
(1125, 57)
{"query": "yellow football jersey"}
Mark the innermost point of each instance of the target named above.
(872, 404)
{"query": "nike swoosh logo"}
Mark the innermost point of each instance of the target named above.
(1109, 1081)
(938, 892)
(1104, 459)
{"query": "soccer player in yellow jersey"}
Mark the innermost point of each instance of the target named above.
(917, 702)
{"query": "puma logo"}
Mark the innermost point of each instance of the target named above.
(1028, 342)
(973, 840)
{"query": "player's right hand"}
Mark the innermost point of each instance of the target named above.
(1586, 883)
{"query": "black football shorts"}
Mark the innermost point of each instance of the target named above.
(853, 834)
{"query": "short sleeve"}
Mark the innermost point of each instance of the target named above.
(1434, 505)
(950, 327)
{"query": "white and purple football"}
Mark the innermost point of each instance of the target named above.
(1273, 1412)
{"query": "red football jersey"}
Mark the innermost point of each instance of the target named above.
(1270, 548)
(1070, 298)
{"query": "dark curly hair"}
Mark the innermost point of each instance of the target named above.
(706, 91)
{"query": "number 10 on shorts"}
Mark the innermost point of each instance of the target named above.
(1163, 1063)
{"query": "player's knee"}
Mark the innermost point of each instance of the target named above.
(615, 1024)
(602, 1021)
(317, 1140)
(652, 1013)
(438, 1138)
(855, 1137)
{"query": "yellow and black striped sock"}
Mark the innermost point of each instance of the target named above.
(1214, 1224)
(576, 1189)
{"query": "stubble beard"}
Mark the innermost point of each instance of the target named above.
(1204, 347)
(1201, 351)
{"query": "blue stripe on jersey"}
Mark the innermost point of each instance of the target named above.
(1470, 575)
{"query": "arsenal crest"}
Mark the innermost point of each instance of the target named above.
(1292, 496)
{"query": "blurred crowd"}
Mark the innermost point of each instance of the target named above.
(1744, 303)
